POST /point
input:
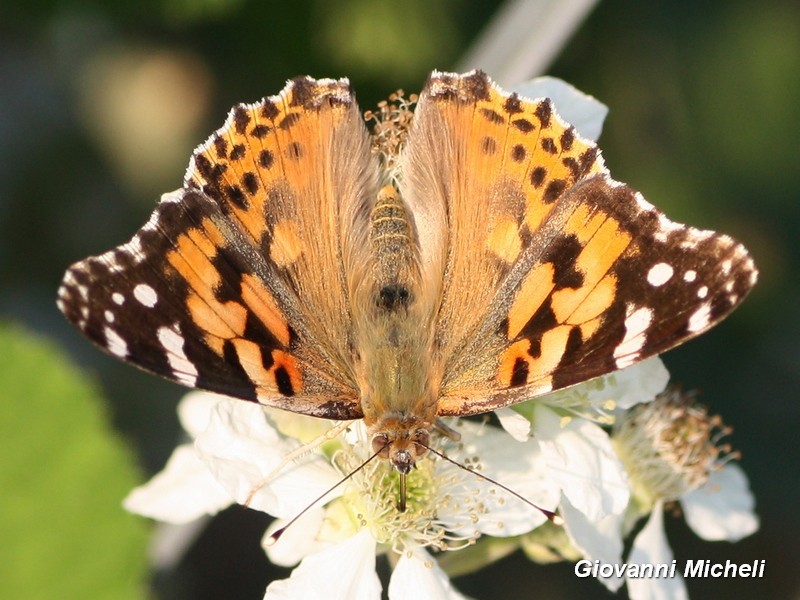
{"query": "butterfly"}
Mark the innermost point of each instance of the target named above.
(477, 255)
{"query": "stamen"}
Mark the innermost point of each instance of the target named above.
(670, 445)
(389, 127)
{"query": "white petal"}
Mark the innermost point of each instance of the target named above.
(641, 382)
(298, 541)
(722, 509)
(600, 540)
(585, 112)
(184, 491)
(514, 423)
(417, 576)
(580, 458)
(195, 408)
(241, 448)
(651, 546)
(170, 542)
(343, 571)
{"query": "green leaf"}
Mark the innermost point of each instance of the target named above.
(63, 475)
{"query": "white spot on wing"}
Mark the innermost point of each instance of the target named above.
(182, 368)
(145, 294)
(117, 298)
(134, 248)
(690, 276)
(659, 274)
(109, 316)
(700, 318)
(636, 324)
(114, 342)
(702, 292)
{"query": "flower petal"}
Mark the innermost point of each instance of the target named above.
(651, 547)
(343, 571)
(597, 540)
(585, 112)
(183, 491)
(580, 457)
(640, 382)
(241, 448)
(195, 409)
(298, 541)
(417, 575)
(514, 423)
(722, 509)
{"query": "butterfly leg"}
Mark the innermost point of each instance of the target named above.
(443, 429)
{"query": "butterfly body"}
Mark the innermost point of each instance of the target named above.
(493, 260)
(393, 336)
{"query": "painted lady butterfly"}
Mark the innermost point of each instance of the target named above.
(486, 259)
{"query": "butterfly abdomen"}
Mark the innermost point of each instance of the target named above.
(393, 343)
(392, 240)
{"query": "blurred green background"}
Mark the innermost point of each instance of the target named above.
(101, 104)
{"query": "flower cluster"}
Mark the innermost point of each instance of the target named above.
(604, 455)
(663, 449)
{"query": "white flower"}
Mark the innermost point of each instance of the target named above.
(671, 450)
(336, 540)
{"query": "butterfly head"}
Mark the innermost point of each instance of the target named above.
(401, 439)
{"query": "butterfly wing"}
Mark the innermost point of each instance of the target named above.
(236, 283)
(569, 275)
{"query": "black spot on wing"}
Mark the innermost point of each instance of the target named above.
(241, 118)
(269, 110)
(523, 125)
(519, 372)
(284, 382)
(563, 254)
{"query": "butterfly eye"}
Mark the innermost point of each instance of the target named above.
(380, 444)
(421, 437)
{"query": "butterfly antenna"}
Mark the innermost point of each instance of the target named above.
(551, 516)
(275, 536)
